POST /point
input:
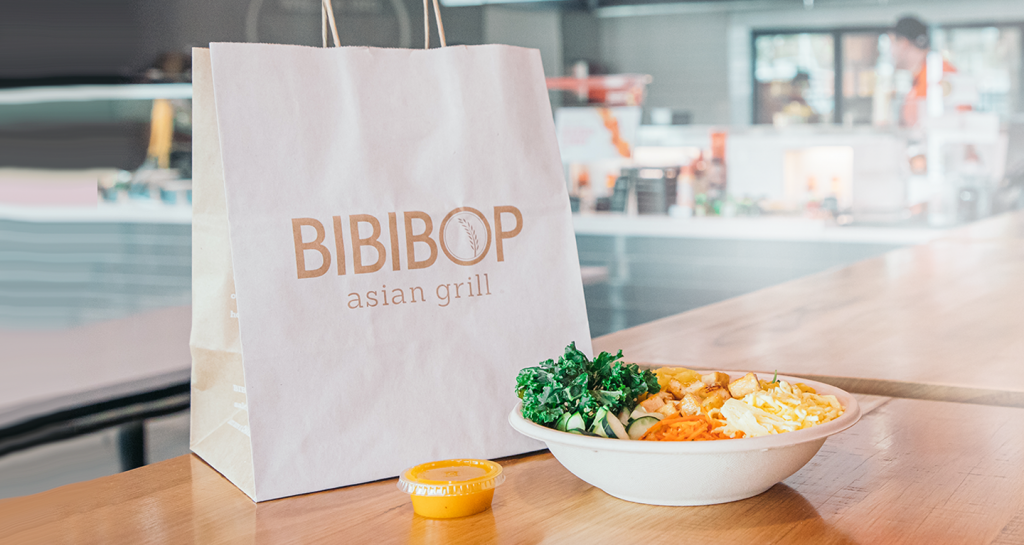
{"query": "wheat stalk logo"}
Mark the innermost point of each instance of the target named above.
(471, 233)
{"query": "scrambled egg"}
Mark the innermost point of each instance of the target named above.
(780, 408)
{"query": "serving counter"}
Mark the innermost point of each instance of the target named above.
(764, 228)
(94, 319)
(927, 325)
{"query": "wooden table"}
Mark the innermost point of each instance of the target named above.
(912, 471)
(938, 320)
(943, 320)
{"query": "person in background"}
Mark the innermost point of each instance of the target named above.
(797, 106)
(910, 47)
(787, 101)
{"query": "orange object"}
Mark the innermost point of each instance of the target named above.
(451, 488)
(161, 132)
(718, 145)
(584, 178)
(683, 428)
(612, 125)
(920, 90)
(610, 90)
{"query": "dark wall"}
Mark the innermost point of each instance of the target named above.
(51, 38)
(42, 38)
(581, 40)
(46, 42)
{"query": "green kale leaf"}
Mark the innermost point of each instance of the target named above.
(574, 383)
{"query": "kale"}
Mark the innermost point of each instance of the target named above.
(576, 384)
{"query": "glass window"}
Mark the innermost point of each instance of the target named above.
(987, 59)
(866, 74)
(794, 76)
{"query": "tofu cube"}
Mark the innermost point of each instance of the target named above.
(715, 399)
(690, 405)
(652, 404)
(715, 379)
(696, 388)
(743, 386)
(669, 409)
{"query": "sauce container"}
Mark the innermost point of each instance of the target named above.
(451, 488)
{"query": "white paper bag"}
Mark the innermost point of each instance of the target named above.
(400, 246)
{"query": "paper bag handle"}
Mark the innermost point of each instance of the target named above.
(426, 25)
(327, 16)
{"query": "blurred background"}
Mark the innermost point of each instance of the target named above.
(710, 149)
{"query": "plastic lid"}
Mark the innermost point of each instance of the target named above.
(451, 478)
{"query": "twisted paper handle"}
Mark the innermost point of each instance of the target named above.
(327, 15)
(426, 25)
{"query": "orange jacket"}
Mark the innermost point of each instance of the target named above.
(919, 91)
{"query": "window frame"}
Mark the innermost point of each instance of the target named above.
(837, 61)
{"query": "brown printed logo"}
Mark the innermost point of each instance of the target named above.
(464, 236)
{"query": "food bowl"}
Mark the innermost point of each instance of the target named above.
(690, 473)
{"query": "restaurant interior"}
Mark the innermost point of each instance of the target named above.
(827, 189)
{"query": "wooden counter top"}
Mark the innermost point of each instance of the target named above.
(911, 471)
(943, 320)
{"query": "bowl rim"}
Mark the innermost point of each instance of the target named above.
(849, 417)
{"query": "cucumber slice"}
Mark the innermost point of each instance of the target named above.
(614, 428)
(562, 421)
(598, 426)
(575, 422)
(607, 425)
(639, 413)
(640, 426)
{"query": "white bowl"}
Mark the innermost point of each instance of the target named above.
(690, 473)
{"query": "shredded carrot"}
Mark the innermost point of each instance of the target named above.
(684, 428)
